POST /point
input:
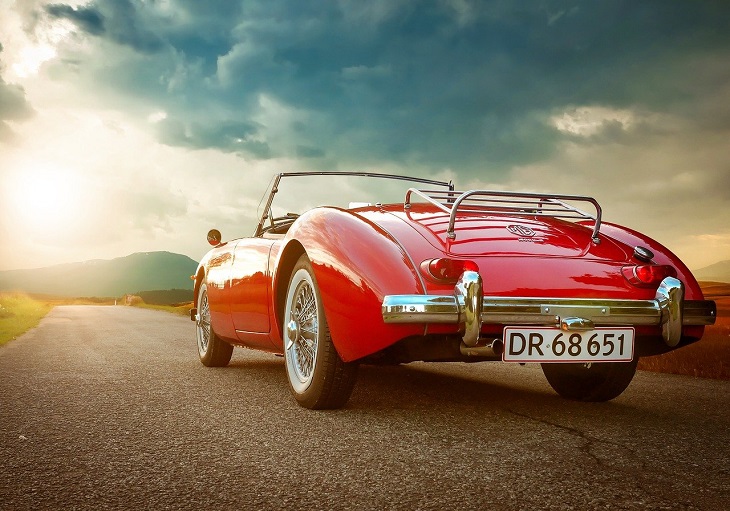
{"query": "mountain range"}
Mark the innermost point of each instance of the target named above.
(718, 272)
(145, 271)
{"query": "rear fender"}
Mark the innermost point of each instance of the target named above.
(356, 264)
(662, 255)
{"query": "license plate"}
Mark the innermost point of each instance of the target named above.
(555, 345)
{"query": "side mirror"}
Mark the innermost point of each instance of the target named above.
(214, 237)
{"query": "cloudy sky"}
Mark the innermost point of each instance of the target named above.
(131, 125)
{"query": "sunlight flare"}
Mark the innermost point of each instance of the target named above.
(47, 201)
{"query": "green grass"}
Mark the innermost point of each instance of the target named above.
(18, 314)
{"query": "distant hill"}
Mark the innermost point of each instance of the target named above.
(146, 271)
(718, 272)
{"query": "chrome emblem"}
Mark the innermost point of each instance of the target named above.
(521, 230)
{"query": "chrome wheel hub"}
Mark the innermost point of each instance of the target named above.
(292, 332)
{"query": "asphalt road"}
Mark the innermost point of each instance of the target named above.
(109, 408)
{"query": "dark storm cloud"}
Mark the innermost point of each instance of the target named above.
(229, 136)
(88, 20)
(122, 21)
(309, 152)
(13, 105)
(461, 84)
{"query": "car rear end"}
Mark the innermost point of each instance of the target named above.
(531, 278)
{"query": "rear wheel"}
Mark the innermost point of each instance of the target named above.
(590, 382)
(318, 377)
(213, 351)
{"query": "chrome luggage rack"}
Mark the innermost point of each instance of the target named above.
(481, 202)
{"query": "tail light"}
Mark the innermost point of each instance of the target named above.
(647, 275)
(447, 270)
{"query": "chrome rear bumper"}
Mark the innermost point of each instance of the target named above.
(469, 308)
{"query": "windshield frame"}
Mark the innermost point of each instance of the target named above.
(273, 188)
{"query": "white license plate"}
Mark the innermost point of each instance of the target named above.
(555, 345)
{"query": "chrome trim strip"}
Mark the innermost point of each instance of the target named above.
(533, 311)
(669, 310)
(445, 309)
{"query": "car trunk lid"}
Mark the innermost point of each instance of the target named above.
(510, 235)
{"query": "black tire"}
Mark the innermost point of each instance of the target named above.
(213, 351)
(318, 378)
(590, 382)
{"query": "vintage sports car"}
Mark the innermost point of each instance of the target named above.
(443, 275)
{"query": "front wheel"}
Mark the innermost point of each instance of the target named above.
(590, 382)
(212, 350)
(318, 377)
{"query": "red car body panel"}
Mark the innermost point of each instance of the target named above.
(356, 264)
(217, 264)
(360, 256)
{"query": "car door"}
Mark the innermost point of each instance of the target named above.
(250, 287)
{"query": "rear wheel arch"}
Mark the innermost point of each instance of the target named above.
(199, 277)
(288, 259)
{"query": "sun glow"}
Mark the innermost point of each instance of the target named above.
(44, 201)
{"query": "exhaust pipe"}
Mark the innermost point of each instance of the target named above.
(493, 349)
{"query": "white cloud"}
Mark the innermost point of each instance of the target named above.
(589, 120)
(156, 117)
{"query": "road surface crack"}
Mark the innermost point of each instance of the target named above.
(589, 445)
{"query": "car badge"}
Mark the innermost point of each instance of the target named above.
(521, 230)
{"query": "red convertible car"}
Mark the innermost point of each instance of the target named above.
(443, 275)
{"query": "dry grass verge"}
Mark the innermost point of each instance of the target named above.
(182, 309)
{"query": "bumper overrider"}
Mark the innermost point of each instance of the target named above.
(469, 308)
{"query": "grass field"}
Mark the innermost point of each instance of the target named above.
(19, 313)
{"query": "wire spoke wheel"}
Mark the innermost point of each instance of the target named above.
(317, 376)
(202, 324)
(212, 350)
(303, 331)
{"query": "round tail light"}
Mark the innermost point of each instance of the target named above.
(447, 270)
(648, 275)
